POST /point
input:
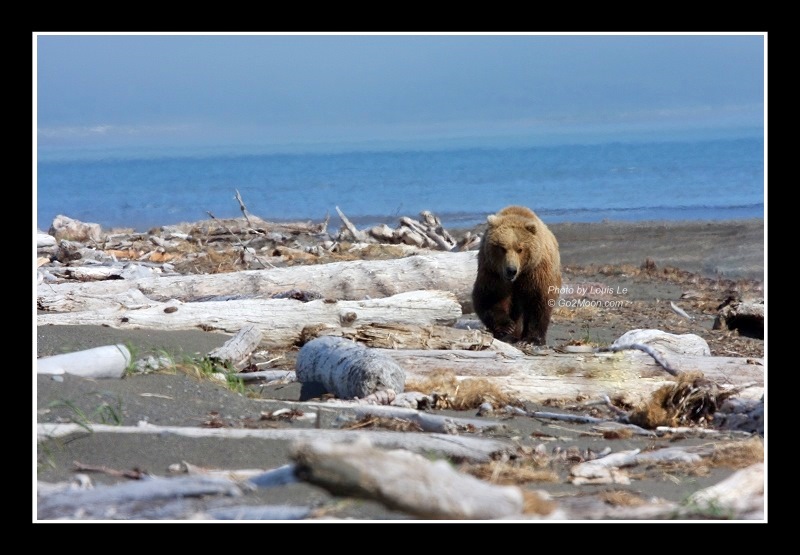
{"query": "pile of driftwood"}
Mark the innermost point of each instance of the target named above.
(365, 330)
(81, 251)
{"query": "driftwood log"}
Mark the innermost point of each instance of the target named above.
(630, 376)
(267, 376)
(126, 500)
(741, 493)
(109, 361)
(280, 320)
(666, 343)
(64, 227)
(427, 422)
(351, 280)
(238, 348)
(347, 369)
(397, 336)
(747, 316)
(404, 481)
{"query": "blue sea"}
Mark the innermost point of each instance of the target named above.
(717, 179)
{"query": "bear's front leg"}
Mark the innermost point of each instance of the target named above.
(498, 320)
(536, 320)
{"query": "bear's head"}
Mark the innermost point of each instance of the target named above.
(512, 243)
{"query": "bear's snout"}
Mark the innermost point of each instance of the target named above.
(511, 273)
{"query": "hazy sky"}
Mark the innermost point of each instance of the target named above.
(188, 90)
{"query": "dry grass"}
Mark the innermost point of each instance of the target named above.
(740, 454)
(439, 380)
(394, 424)
(463, 394)
(691, 400)
(507, 473)
(622, 498)
(536, 504)
(734, 455)
(622, 433)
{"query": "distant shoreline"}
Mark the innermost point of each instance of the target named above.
(364, 222)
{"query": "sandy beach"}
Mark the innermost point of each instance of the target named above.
(655, 262)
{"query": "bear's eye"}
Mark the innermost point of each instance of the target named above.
(519, 250)
(499, 248)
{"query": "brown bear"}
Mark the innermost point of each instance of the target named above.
(519, 276)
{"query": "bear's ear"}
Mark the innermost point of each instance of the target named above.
(492, 219)
(531, 226)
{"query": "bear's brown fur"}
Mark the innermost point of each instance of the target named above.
(519, 275)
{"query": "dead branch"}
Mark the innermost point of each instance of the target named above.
(428, 422)
(242, 207)
(645, 349)
(359, 236)
(679, 311)
(267, 376)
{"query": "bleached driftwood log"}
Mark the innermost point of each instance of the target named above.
(742, 493)
(347, 369)
(131, 499)
(248, 227)
(89, 273)
(46, 245)
(109, 361)
(359, 236)
(351, 280)
(396, 336)
(64, 227)
(268, 376)
(666, 343)
(130, 299)
(427, 422)
(659, 344)
(459, 447)
(404, 481)
(280, 320)
(629, 375)
(747, 316)
(238, 348)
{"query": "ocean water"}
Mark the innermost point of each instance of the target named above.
(691, 180)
